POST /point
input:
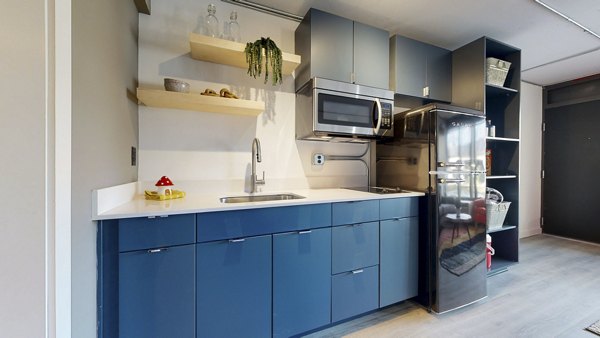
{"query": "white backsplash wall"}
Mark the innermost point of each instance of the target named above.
(202, 146)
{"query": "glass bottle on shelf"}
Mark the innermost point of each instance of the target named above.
(491, 129)
(211, 23)
(234, 28)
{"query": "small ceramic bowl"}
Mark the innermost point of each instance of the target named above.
(174, 85)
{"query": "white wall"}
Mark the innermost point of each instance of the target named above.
(23, 140)
(104, 128)
(216, 148)
(530, 160)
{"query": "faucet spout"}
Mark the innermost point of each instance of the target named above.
(256, 157)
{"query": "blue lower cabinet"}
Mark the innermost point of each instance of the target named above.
(234, 288)
(301, 281)
(399, 260)
(156, 293)
(354, 246)
(354, 292)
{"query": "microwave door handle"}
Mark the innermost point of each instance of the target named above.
(379, 117)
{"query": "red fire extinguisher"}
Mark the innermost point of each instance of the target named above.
(489, 251)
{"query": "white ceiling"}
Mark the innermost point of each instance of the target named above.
(553, 49)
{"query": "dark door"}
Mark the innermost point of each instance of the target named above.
(571, 163)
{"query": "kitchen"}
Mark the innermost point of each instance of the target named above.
(200, 151)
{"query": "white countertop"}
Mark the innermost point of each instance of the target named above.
(138, 206)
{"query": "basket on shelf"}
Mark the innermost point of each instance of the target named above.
(496, 213)
(496, 71)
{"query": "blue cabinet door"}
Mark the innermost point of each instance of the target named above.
(301, 281)
(399, 258)
(354, 292)
(156, 293)
(234, 288)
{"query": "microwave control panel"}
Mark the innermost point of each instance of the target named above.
(386, 115)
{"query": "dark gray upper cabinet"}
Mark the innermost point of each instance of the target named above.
(337, 48)
(419, 69)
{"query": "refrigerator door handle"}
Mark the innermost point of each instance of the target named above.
(450, 180)
(456, 164)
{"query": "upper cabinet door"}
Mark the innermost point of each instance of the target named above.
(331, 46)
(420, 69)
(340, 49)
(371, 56)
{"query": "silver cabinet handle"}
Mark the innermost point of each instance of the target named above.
(456, 164)
(158, 250)
(450, 180)
(355, 272)
(239, 240)
(304, 232)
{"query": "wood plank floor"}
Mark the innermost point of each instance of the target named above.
(553, 292)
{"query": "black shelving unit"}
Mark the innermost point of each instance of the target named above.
(501, 105)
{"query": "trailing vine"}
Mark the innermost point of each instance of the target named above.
(272, 56)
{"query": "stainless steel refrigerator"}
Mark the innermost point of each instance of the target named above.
(440, 150)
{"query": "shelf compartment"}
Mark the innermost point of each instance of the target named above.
(503, 228)
(499, 265)
(196, 102)
(206, 48)
(502, 139)
(500, 177)
(495, 89)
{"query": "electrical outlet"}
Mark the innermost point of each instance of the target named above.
(318, 159)
(133, 156)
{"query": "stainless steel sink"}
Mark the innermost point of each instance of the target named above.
(259, 198)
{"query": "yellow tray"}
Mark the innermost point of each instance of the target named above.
(154, 195)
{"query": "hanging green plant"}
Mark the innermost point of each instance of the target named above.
(255, 51)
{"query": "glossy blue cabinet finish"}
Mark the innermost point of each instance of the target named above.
(301, 281)
(354, 212)
(253, 222)
(156, 293)
(152, 232)
(354, 292)
(354, 246)
(233, 290)
(399, 207)
(399, 260)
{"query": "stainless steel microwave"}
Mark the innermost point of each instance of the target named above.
(328, 110)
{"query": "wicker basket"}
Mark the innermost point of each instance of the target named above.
(497, 70)
(495, 214)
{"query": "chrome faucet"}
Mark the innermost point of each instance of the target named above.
(256, 157)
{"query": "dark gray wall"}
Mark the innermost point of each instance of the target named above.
(104, 128)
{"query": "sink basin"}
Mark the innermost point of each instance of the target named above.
(259, 198)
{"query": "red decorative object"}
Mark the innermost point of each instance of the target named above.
(164, 182)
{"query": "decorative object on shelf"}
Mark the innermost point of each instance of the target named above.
(272, 55)
(233, 31)
(488, 162)
(209, 92)
(491, 129)
(227, 94)
(496, 208)
(211, 23)
(497, 70)
(174, 85)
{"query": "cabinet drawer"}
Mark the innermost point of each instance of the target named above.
(144, 232)
(355, 212)
(399, 207)
(354, 293)
(253, 222)
(354, 246)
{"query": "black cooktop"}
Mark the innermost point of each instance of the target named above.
(380, 190)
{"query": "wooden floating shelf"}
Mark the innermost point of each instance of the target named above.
(500, 89)
(196, 102)
(206, 48)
